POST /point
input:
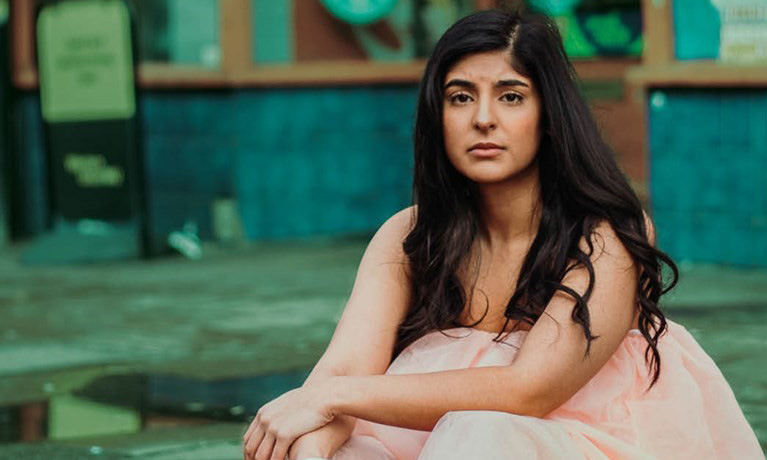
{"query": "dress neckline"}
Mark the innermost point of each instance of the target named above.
(630, 332)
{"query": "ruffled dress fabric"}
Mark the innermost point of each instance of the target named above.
(690, 413)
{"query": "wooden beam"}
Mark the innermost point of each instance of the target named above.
(332, 73)
(22, 31)
(235, 36)
(168, 76)
(604, 69)
(658, 32)
(698, 73)
(162, 75)
(343, 72)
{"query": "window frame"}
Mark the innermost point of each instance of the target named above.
(237, 68)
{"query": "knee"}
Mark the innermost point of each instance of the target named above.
(363, 448)
(461, 421)
(478, 434)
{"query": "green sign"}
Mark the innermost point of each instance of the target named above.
(86, 61)
(360, 11)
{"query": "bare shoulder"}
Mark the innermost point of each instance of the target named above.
(401, 222)
(388, 239)
(605, 240)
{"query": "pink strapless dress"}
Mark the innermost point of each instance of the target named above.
(690, 413)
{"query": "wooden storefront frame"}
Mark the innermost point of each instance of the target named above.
(237, 68)
(661, 69)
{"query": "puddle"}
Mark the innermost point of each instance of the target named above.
(129, 403)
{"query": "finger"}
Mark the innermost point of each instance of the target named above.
(264, 450)
(251, 428)
(281, 447)
(251, 447)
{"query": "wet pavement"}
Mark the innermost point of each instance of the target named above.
(165, 359)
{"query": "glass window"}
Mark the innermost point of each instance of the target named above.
(179, 31)
(272, 31)
(433, 17)
(594, 28)
(326, 30)
(3, 11)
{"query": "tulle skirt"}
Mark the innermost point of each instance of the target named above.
(690, 413)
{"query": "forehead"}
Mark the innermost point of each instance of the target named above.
(491, 66)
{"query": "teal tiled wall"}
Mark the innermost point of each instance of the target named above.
(329, 161)
(708, 174)
(299, 162)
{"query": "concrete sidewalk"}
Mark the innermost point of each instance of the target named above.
(242, 324)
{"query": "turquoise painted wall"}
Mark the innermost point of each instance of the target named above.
(708, 174)
(299, 162)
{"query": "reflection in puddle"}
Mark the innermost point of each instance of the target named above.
(129, 403)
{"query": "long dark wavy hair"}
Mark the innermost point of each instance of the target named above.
(581, 185)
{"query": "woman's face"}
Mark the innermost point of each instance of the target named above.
(491, 116)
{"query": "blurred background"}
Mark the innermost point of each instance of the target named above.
(187, 186)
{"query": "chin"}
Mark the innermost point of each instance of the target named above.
(488, 175)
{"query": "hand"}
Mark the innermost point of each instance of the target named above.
(282, 421)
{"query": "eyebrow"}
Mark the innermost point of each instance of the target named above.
(499, 83)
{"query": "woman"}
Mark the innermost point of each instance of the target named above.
(518, 298)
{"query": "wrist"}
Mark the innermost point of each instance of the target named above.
(340, 392)
(324, 442)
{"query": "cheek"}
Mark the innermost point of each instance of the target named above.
(451, 133)
(528, 128)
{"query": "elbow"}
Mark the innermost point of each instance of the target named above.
(344, 367)
(536, 402)
(331, 370)
(532, 407)
(323, 371)
(540, 408)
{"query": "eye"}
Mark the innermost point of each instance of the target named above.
(513, 98)
(459, 98)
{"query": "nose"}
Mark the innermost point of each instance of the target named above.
(484, 117)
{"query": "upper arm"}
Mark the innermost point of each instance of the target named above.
(364, 338)
(559, 342)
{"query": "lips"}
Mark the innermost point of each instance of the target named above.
(485, 149)
(485, 146)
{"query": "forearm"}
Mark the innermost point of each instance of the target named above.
(418, 401)
(327, 440)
